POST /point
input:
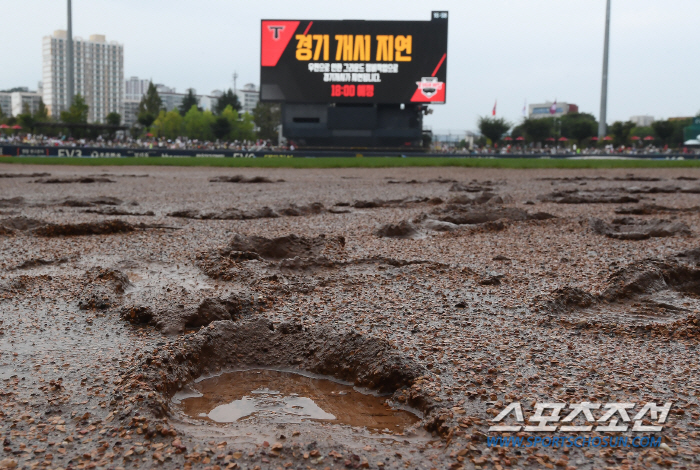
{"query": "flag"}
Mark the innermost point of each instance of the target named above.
(493, 113)
(553, 108)
(525, 109)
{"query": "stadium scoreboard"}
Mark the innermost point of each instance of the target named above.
(385, 62)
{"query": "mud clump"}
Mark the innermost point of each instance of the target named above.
(289, 246)
(486, 197)
(650, 209)
(176, 320)
(88, 228)
(405, 202)
(118, 211)
(576, 196)
(627, 228)
(12, 202)
(91, 201)
(83, 180)
(404, 229)
(102, 289)
(265, 212)
(462, 215)
(240, 179)
(653, 296)
(24, 175)
(10, 225)
(39, 262)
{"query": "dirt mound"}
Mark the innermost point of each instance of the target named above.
(24, 175)
(102, 289)
(91, 201)
(117, 211)
(84, 180)
(462, 215)
(576, 196)
(472, 187)
(39, 262)
(177, 319)
(404, 229)
(240, 179)
(292, 210)
(405, 202)
(12, 202)
(87, 228)
(286, 247)
(20, 223)
(650, 209)
(627, 228)
(486, 197)
(644, 294)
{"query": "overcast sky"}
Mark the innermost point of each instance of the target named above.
(507, 50)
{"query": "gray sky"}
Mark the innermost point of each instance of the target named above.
(509, 50)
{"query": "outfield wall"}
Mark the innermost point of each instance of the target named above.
(98, 152)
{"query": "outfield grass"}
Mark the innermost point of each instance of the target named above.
(366, 162)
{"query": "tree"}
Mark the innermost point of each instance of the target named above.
(188, 101)
(168, 124)
(579, 126)
(621, 132)
(221, 127)
(149, 107)
(42, 113)
(537, 130)
(229, 98)
(113, 119)
(197, 124)
(664, 130)
(77, 113)
(493, 128)
(267, 118)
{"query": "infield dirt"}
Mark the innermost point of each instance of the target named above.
(448, 292)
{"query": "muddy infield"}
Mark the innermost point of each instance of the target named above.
(442, 293)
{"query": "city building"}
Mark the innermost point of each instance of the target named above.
(6, 103)
(135, 88)
(642, 121)
(98, 74)
(14, 102)
(25, 101)
(131, 112)
(544, 110)
(249, 97)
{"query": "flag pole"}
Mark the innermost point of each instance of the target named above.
(602, 126)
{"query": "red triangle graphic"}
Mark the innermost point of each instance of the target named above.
(419, 97)
(275, 38)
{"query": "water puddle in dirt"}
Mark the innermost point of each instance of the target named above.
(269, 396)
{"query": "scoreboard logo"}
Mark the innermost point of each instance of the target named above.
(429, 86)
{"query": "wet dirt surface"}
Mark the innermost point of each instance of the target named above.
(452, 291)
(269, 397)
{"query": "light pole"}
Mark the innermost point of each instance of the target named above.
(69, 60)
(602, 126)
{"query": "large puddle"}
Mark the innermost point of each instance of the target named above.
(282, 397)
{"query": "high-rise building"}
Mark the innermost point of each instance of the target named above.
(98, 74)
(135, 88)
(249, 97)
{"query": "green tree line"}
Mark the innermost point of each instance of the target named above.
(581, 128)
